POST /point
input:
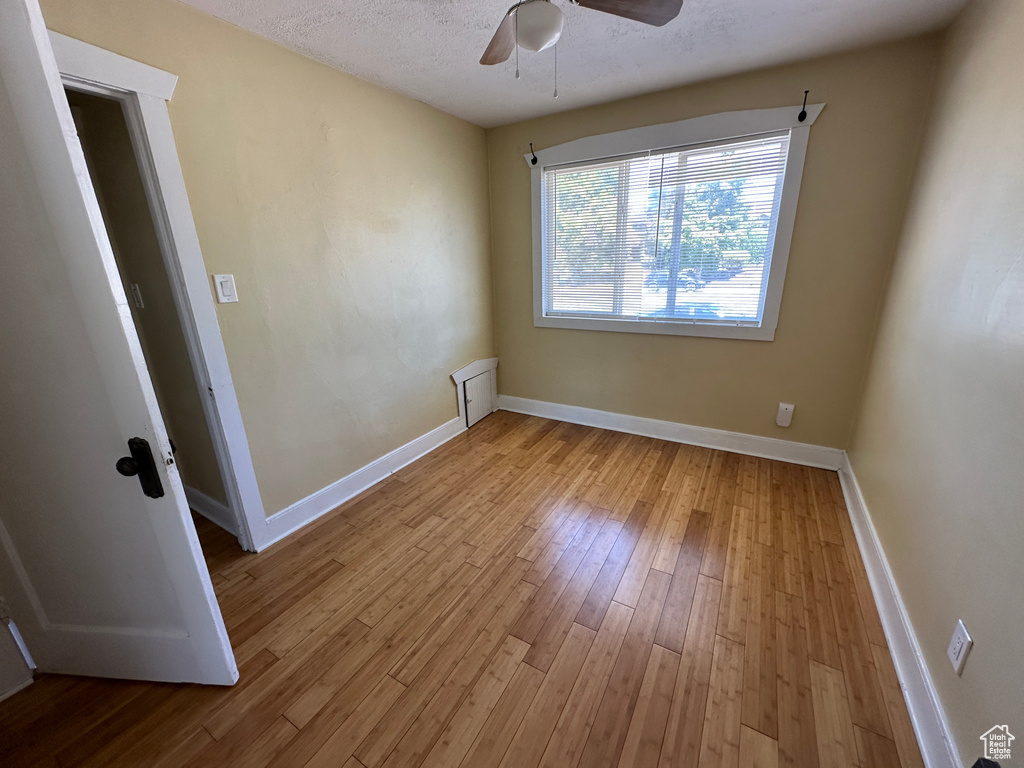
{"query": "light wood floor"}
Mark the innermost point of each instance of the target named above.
(532, 593)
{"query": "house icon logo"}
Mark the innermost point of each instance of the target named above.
(997, 742)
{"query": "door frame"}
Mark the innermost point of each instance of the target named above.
(143, 92)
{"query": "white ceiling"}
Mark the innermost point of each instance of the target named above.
(429, 49)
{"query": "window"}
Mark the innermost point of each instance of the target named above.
(689, 238)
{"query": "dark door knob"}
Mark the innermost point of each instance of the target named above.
(127, 466)
(141, 463)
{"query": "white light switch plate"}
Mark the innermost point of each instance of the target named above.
(225, 285)
(959, 647)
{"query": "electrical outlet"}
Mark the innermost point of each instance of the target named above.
(959, 647)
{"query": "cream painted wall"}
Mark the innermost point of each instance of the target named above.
(859, 165)
(355, 222)
(115, 175)
(939, 448)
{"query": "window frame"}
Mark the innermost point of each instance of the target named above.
(699, 130)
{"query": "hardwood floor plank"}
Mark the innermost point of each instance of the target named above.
(470, 646)
(79, 750)
(529, 625)
(679, 517)
(672, 627)
(760, 699)
(460, 733)
(384, 646)
(826, 514)
(566, 744)
(837, 747)
(896, 707)
(746, 483)
(179, 715)
(865, 598)
(527, 746)
(875, 751)
(591, 614)
(274, 691)
(862, 683)
(504, 720)
(717, 547)
(788, 569)
(549, 639)
(624, 467)
(707, 490)
(681, 747)
(641, 561)
(823, 643)
(642, 747)
(431, 718)
(545, 556)
(247, 747)
(267, 611)
(341, 745)
(676, 476)
(798, 742)
(757, 750)
(720, 739)
(763, 516)
(612, 721)
(736, 582)
(181, 754)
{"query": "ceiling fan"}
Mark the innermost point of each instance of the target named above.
(537, 24)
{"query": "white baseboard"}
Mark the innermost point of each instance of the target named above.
(300, 513)
(211, 509)
(938, 746)
(737, 442)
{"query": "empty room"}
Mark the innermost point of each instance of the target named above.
(575, 383)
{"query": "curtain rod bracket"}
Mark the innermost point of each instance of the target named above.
(533, 160)
(803, 112)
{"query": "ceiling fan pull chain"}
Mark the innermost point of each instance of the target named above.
(556, 69)
(516, 12)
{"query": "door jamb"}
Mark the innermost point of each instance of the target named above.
(143, 92)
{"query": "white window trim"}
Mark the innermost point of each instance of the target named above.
(727, 125)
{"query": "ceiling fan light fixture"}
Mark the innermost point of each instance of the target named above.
(539, 24)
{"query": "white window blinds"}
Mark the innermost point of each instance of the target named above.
(680, 235)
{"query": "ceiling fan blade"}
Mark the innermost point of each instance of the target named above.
(502, 44)
(655, 12)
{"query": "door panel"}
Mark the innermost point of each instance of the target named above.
(103, 580)
(478, 397)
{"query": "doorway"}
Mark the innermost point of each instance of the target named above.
(117, 181)
(121, 105)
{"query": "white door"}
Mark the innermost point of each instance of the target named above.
(102, 579)
(478, 397)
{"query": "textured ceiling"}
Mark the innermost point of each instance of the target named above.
(429, 49)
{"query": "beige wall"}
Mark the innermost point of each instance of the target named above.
(355, 222)
(939, 448)
(122, 198)
(859, 165)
